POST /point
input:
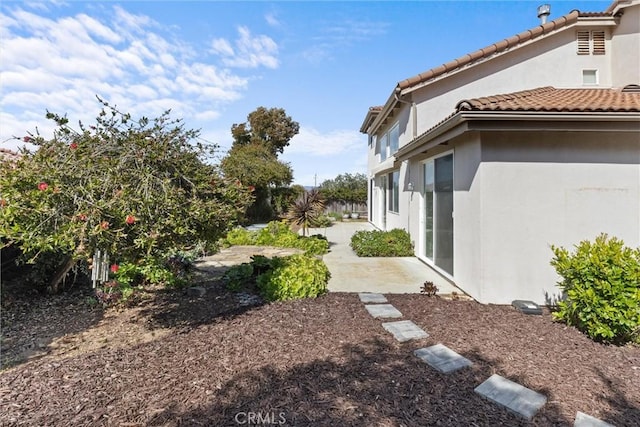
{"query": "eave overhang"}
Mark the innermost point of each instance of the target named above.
(466, 121)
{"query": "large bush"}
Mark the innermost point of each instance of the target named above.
(376, 243)
(280, 235)
(281, 278)
(136, 189)
(601, 287)
(293, 277)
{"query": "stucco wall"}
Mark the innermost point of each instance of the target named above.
(549, 62)
(625, 45)
(540, 189)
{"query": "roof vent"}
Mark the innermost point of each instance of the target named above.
(544, 11)
(631, 88)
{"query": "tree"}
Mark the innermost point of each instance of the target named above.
(253, 158)
(345, 188)
(136, 189)
(255, 166)
(269, 127)
(305, 209)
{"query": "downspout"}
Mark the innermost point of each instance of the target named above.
(414, 115)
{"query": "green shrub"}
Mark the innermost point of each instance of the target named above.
(278, 234)
(293, 277)
(335, 215)
(601, 287)
(396, 242)
(240, 237)
(239, 277)
(280, 278)
(321, 222)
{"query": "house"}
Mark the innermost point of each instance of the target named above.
(534, 141)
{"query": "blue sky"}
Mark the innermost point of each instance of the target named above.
(214, 62)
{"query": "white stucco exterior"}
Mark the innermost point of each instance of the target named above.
(524, 184)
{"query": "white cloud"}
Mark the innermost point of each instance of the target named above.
(341, 35)
(272, 20)
(311, 141)
(249, 52)
(61, 64)
(222, 47)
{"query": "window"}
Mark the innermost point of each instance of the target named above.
(389, 142)
(394, 139)
(589, 77)
(394, 191)
(591, 42)
(384, 147)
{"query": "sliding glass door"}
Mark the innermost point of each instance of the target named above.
(438, 211)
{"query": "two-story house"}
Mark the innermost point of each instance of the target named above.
(534, 141)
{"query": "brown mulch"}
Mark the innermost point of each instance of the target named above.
(179, 359)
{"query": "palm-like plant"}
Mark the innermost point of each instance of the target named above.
(305, 209)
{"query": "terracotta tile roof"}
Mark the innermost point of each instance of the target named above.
(550, 99)
(498, 47)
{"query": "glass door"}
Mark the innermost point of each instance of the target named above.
(438, 212)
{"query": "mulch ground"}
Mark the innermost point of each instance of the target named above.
(178, 359)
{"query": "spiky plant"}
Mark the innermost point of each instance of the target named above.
(305, 209)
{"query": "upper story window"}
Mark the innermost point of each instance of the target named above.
(591, 42)
(384, 147)
(390, 142)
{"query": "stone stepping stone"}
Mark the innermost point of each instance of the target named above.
(584, 420)
(383, 310)
(442, 358)
(405, 330)
(519, 399)
(368, 297)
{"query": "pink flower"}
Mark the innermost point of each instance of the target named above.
(82, 217)
(43, 186)
(130, 219)
(27, 139)
(73, 146)
(114, 268)
(252, 188)
(3, 203)
(104, 225)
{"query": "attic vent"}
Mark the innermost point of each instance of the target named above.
(583, 42)
(598, 42)
(591, 42)
(631, 88)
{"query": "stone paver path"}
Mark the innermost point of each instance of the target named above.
(369, 297)
(442, 358)
(383, 311)
(584, 420)
(519, 399)
(405, 330)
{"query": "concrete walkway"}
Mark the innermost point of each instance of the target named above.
(350, 273)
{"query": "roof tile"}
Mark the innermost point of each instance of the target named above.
(550, 99)
(496, 48)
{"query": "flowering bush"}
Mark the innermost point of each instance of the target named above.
(137, 189)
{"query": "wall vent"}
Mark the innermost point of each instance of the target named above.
(583, 42)
(598, 42)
